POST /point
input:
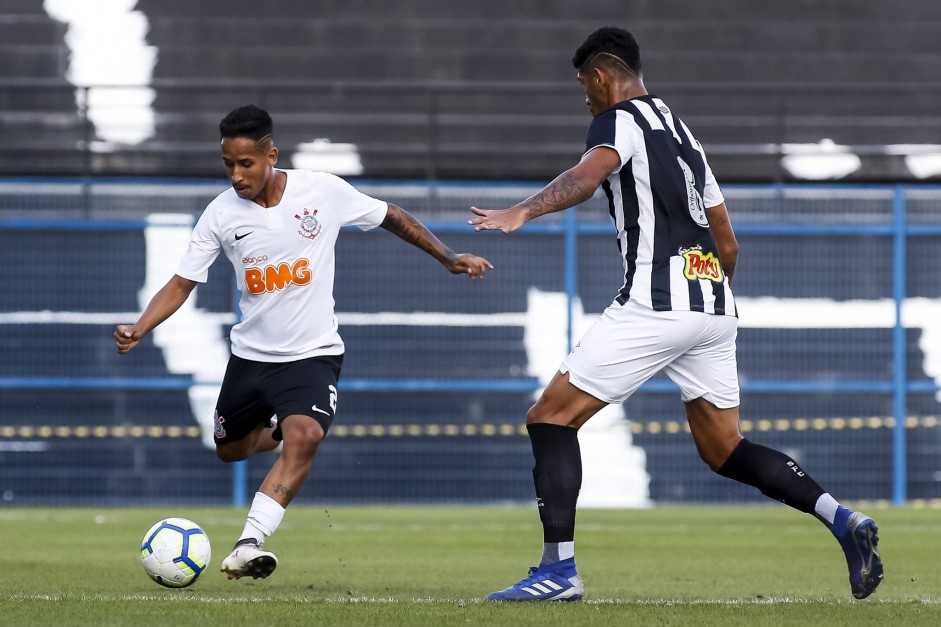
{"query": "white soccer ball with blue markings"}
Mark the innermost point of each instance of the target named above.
(175, 552)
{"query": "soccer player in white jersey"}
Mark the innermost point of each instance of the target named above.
(675, 312)
(278, 228)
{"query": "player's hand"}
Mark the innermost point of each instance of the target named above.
(126, 337)
(506, 220)
(465, 263)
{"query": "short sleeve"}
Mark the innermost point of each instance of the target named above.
(611, 129)
(356, 208)
(711, 195)
(203, 249)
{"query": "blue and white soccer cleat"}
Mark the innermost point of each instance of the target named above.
(858, 535)
(552, 582)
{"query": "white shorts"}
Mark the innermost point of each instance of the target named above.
(630, 343)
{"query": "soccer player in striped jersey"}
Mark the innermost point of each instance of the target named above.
(278, 228)
(674, 312)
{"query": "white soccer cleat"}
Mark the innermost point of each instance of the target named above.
(247, 559)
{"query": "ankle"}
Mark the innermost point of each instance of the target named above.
(838, 528)
(565, 567)
(246, 541)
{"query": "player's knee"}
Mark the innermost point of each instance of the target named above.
(717, 452)
(302, 435)
(714, 466)
(712, 458)
(545, 413)
(538, 414)
(229, 454)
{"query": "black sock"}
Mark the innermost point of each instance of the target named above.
(774, 473)
(557, 475)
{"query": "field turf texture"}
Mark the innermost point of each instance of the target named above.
(766, 565)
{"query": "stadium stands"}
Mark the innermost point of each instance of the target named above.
(428, 89)
(39, 122)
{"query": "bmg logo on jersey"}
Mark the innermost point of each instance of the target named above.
(274, 278)
(701, 266)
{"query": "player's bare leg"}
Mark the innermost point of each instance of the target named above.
(266, 441)
(256, 441)
(301, 436)
(561, 403)
(715, 431)
(720, 444)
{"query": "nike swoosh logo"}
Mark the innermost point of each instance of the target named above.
(238, 237)
(315, 408)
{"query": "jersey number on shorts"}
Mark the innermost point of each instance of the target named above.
(333, 398)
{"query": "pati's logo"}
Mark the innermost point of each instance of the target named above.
(309, 225)
(701, 266)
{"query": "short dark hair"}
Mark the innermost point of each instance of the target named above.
(609, 40)
(246, 121)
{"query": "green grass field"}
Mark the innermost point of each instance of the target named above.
(432, 566)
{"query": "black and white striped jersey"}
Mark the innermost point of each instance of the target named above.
(657, 201)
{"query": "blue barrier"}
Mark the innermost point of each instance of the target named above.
(896, 230)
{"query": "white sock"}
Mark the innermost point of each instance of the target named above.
(263, 518)
(826, 507)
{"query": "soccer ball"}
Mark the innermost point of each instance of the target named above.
(175, 552)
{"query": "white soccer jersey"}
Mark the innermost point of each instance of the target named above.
(657, 201)
(284, 262)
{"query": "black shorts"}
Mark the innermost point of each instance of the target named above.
(254, 391)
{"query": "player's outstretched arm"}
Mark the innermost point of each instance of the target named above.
(572, 187)
(161, 307)
(409, 228)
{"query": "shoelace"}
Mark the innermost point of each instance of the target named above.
(533, 576)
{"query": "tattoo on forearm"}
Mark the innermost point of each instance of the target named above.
(409, 228)
(281, 489)
(404, 225)
(562, 193)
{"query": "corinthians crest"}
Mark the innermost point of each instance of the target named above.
(309, 224)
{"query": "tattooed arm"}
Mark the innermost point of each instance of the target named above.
(572, 187)
(724, 236)
(403, 224)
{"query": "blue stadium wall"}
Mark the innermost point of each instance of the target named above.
(434, 413)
